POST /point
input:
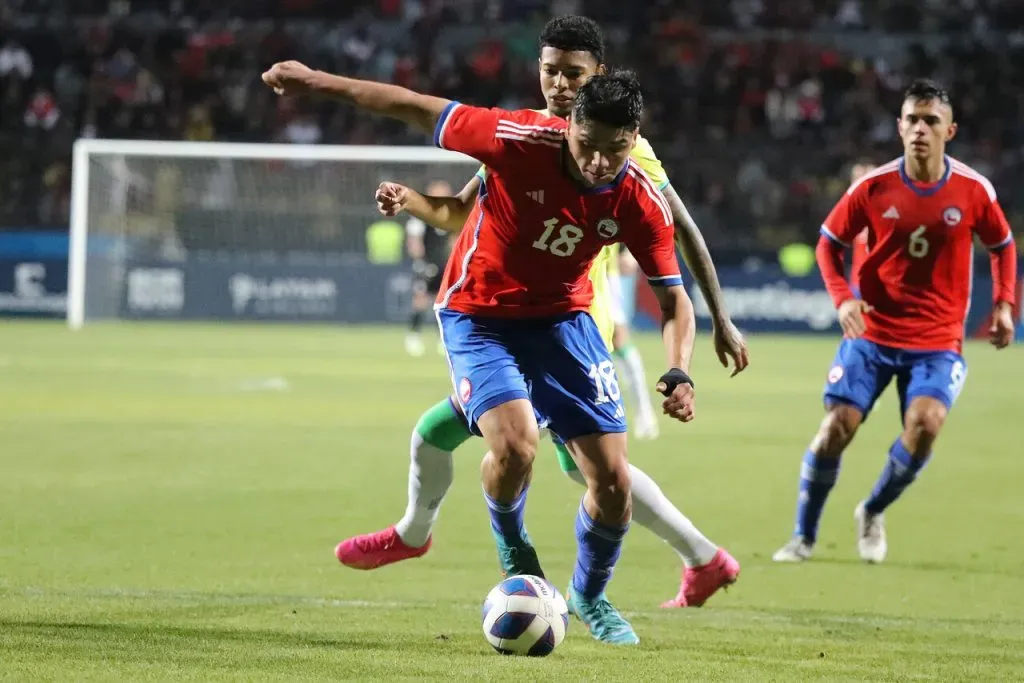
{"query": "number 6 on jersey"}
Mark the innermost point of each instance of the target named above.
(568, 237)
(918, 245)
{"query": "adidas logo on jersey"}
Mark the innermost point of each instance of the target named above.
(537, 196)
(891, 213)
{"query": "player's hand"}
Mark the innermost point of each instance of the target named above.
(677, 387)
(851, 317)
(729, 343)
(391, 198)
(290, 78)
(1000, 332)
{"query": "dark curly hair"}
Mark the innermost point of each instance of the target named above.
(573, 33)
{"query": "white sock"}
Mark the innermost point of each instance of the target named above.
(430, 477)
(656, 513)
(631, 367)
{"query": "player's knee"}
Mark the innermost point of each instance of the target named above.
(514, 449)
(837, 430)
(922, 424)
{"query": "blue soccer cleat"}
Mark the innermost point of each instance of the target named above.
(602, 619)
(520, 558)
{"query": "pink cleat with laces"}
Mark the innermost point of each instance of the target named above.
(700, 583)
(378, 549)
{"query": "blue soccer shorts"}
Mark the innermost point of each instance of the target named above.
(863, 369)
(560, 364)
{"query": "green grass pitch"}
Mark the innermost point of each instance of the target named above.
(170, 496)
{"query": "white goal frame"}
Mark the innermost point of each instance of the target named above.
(84, 148)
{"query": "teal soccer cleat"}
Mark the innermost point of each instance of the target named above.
(602, 619)
(517, 559)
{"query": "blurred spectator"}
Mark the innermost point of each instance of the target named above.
(42, 111)
(850, 14)
(756, 107)
(302, 130)
(198, 126)
(15, 61)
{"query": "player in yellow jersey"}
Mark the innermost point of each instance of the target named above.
(572, 50)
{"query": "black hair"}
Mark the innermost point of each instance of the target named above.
(573, 33)
(614, 99)
(924, 89)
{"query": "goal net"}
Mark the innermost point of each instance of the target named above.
(225, 231)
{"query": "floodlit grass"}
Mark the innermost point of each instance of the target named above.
(171, 495)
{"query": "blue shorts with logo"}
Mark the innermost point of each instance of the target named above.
(863, 369)
(560, 364)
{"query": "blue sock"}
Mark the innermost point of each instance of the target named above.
(817, 477)
(508, 519)
(900, 471)
(598, 549)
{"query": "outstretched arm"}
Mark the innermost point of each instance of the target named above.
(444, 213)
(295, 78)
(729, 342)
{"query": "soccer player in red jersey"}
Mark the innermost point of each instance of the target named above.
(571, 51)
(522, 350)
(922, 213)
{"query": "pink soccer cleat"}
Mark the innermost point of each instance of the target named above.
(380, 548)
(700, 583)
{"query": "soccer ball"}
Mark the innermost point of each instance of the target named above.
(525, 615)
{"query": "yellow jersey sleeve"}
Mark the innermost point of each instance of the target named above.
(643, 154)
(600, 308)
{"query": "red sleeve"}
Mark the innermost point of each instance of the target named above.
(847, 220)
(652, 239)
(848, 217)
(493, 136)
(829, 254)
(470, 130)
(994, 231)
(992, 226)
(1004, 273)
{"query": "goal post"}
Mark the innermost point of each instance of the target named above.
(241, 231)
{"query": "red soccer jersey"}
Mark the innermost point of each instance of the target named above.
(917, 273)
(530, 240)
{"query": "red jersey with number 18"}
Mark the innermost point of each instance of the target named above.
(918, 267)
(528, 244)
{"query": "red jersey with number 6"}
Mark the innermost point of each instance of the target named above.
(917, 271)
(528, 245)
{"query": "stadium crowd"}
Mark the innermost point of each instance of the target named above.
(757, 107)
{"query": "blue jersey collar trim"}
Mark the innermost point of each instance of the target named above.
(926, 191)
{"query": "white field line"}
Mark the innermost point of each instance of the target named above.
(730, 614)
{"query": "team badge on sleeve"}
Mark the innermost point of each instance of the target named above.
(465, 390)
